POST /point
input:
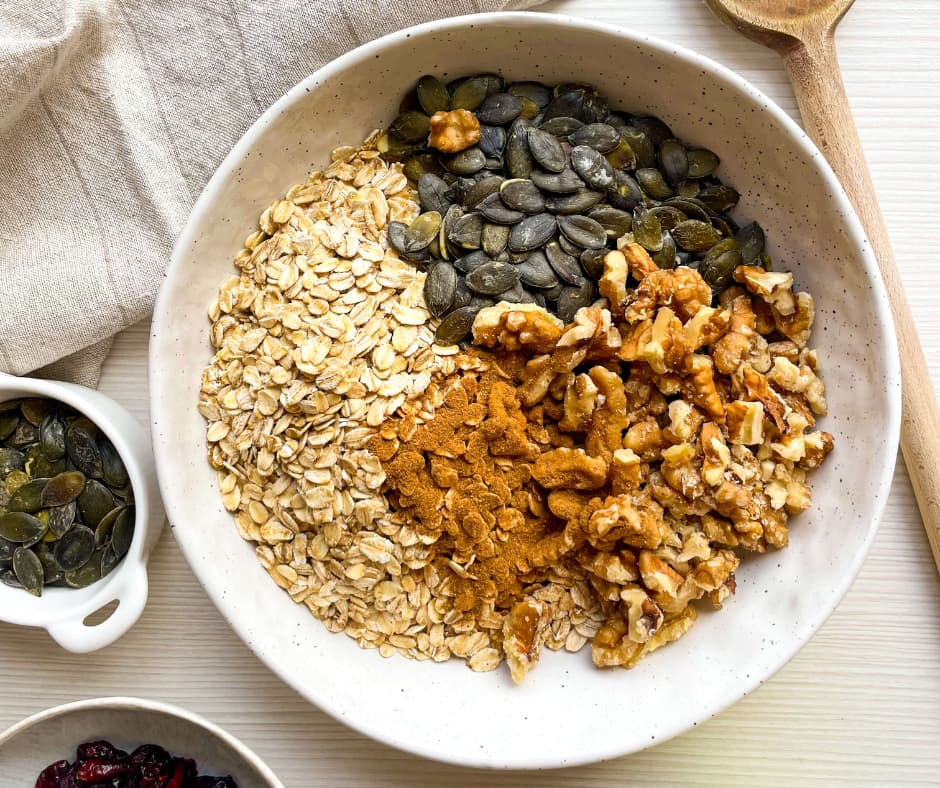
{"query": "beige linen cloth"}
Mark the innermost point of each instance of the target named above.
(113, 116)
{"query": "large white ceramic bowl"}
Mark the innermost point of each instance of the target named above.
(52, 735)
(567, 712)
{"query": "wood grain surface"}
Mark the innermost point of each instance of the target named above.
(859, 705)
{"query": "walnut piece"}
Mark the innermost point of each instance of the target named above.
(613, 282)
(775, 287)
(523, 634)
(516, 326)
(569, 468)
(454, 131)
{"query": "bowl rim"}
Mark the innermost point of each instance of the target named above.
(123, 703)
(887, 454)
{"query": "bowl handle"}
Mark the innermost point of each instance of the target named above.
(80, 638)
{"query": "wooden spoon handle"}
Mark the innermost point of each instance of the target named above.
(813, 67)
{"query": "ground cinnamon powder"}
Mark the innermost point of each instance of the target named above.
(464, 478)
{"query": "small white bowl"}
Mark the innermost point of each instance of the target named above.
(567, 712)
(51, 735)
(63, 611)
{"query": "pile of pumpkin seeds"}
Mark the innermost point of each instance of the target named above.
(66, 502)
(528, 212)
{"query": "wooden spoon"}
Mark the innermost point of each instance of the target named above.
(803, 33)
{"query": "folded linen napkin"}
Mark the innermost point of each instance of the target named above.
(113, 116)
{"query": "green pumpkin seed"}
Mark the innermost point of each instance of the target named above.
(28, 497)
(52, 437)
(492, 140)
(7, 549)
(600, 136)
(82, 450)
(456, 325)
(535, 92)
(50, 570)
(583, 231)
(591, 166)
(657, 131)
(421, 232)
(95, 502)
(492, 278)
(472, 261)
(432, 94)
(411, 126)
(695, 236)
(532, 232)
(626, 193)
(643, 150)
(35, 409)
(719, 198)
(647, 231)
(21, 528)
(480, 190)
(519, 161)
(112, 466)
(495, 238)
(467, 162)
(535, 271)
(580, 201)
(653, 183)
(85, 575)
(468, 231)
(8, 422)
(396, 236)
(28, 570)
(63, 488)
(418, 164)
(669, 216)
(622, 157)
(687, 189)
(8, 578)
(440, 287)
(690, 206)
(432, 192)
(61, 518)
(500, 109)
(565, 265)
(564, 182)
(571, 299)
(469, 94)
(561, 126)
(15, 480)
(592, 261)
(750, 240)
(109, 560)
(666, 257)
(521, 194)
(546, 150)
(495, 210)
(702, 163)
(614, 221)
(74, 549)
(393, 148)
(24, 435)
(674, 161)
(719, 264)
(106, 526)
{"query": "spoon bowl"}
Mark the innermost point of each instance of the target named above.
(780, 24)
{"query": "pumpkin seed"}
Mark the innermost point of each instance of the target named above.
(519, 160)
(546, 150)
(440, 287)
(690, 206)
(63, 488)
(622, 157)
(499, 109)
(723, 224)
(695, 236)
(669, 216)
(719, 263)
(15, 480)
(468, 231)
(74, 549)
(552, 293)
(640, 144)
(28, 570)
(688, 188)
(466, 162)
(702, 163)
(599, 136)
(521, 194)
(420, 233)
(592, 167)
(580, 102)
(532, 232)
(393, 148)
(21, 528)
(479, 302)
(653, 183)
(657, 131)
(7, 548)
(571, 299)
(583, 231)
(418, 164)
(8, 578)
(109, 560)
(95, 502)
(563, 182)
(123, 533)
(666, 257)
(495, 238)
(750, 240)
(674, 161)
(470, 262)
(647, 231)
(35, 409)
(396, 236)
(61, 518)
(106, 526)
(456, 325)
(469, 94)
(719, 198)
(492, 278)
(28, 497)
(536, 271)
(50, 570)
(492, 140)
(52, 437)
(462, 294)
(577, 202)
(82, 450)
(592, 261)
(432, 193)
(564, 264)
(8, 422)
(561, 126)
(614, 221)
(512, 295)
(432, 94)
(495, 210)
(24, 435)
(411, 126)
(85, 575)
(626, 193)
(535, 92)
(112, 467)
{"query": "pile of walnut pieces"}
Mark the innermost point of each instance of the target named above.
(662, 433)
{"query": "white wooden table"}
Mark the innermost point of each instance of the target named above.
(859, 705)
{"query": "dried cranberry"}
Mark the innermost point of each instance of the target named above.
(53, 774)
(151, 754)
(101, 750)
(95, 771)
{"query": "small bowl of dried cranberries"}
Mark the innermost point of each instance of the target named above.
(118, 742)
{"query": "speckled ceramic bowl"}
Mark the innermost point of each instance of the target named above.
(567, 712)
(52, 735)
